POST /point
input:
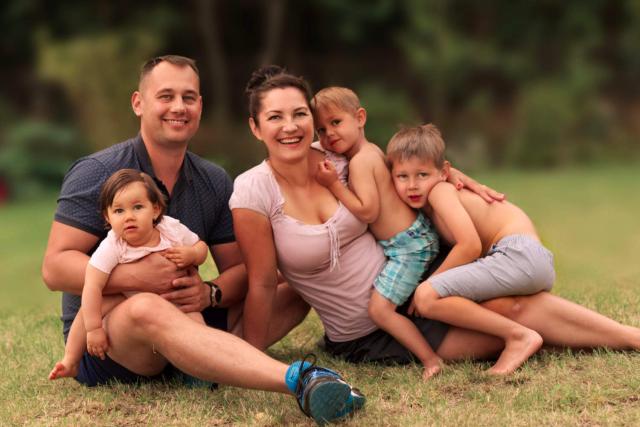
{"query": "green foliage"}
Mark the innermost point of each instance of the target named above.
(387, 111)
(36, 155)
(473, 68)
(99, 73)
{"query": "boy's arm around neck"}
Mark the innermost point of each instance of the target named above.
(448, 211)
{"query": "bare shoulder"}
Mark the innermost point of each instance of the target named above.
(369, 157)
(443, 191)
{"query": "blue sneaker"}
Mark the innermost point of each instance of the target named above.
(323, 395)
(354, 403)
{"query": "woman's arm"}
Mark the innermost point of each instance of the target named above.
(255, 237)
(467, 247)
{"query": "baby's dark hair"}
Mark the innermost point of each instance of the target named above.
(424, 142)
(120, 180)
(272, 77)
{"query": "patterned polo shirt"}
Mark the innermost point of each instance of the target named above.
(199, 200)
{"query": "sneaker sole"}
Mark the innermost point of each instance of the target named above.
(327, 400)
(354, 404)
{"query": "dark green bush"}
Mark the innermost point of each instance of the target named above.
(36, 154)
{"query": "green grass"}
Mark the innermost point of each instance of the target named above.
(587, 217)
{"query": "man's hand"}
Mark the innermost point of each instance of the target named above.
(189, 293)
(153, 273)
(460, 181)
(326, 174)
(97, 343)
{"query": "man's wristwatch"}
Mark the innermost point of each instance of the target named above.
(216, 293)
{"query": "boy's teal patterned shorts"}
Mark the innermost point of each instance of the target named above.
(408, 256)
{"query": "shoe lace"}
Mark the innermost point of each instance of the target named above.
(311, 358)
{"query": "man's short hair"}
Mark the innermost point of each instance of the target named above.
(180, 61)
(342, 98)
(424, 142)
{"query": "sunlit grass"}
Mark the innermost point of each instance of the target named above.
(587, 217)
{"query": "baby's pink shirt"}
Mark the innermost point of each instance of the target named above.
(331, 265)
(113, 250)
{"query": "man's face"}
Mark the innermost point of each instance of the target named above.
(169, 105)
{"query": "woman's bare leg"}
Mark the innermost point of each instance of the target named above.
(520, 341)
(563, 323)
(460, 344)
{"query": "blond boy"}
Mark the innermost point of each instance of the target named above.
(495, 250)
(407, 237)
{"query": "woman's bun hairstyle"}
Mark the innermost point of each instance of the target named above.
(268, 78)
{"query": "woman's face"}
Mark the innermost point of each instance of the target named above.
(284, 124)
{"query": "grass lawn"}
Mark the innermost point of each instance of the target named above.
(588, 218)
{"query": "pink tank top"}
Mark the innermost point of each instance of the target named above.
(331, 265)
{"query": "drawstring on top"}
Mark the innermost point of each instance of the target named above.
(334, 246)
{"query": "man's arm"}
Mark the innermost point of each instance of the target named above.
(65, 258)
(65, 262)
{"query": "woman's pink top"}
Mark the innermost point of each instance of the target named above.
(331, 265)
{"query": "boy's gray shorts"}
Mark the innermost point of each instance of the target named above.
(516, 265)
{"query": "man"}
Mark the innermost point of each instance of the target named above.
(150, 330)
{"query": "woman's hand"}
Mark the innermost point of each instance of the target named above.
(460, 181)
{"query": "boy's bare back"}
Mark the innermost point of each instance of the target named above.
(394, 215)
(492, 221)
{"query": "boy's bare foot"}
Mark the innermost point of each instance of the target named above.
(516, 351)
(431, 367)
(63, 369)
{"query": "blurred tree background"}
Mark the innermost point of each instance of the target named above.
(510, 83)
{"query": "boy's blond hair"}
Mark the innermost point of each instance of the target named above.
(342, 98)
(424, 142)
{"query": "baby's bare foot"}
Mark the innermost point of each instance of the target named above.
(63, 369)
(516, 351)
(431, 368)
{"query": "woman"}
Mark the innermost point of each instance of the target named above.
(284, 220)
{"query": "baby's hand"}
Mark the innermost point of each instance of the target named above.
(326, 174)
(97, 343)
(182, 256)
(432, 367)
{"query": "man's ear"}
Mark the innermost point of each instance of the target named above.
(255, 129)
(136, 103)
(361, 116)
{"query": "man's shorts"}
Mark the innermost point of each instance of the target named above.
(94, 371)
(516, 265)
(409, 253)
(379, 346)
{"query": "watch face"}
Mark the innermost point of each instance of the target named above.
(217, 294)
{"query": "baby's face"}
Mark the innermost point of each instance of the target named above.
(131, 215)
(337, 129)
(414, 178)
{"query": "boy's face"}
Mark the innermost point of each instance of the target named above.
(414, 178)
(339, 130)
